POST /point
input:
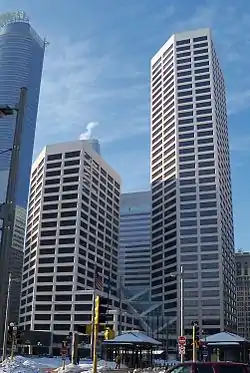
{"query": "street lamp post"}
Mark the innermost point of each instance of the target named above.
(181, 282)
(181, 305)
(13, 339)
(7, 208)
(6, 321)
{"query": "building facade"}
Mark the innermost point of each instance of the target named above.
(135, 241)
(192, 222)
(19, 228)
(21, 63)
(243, 293)
(72, 231)
(16, 262)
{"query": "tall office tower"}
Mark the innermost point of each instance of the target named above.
(243, 293)
(19, 228)
(135, 242)
(21, 63)
(192, 220)
(95, 145)
(72, 228)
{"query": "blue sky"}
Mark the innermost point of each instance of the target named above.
(96, 69)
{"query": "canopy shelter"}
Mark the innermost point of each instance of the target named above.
(133, 338)
(228, 346)
(135, 348)
(225, 338)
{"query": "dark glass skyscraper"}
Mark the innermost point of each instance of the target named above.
(21, 63)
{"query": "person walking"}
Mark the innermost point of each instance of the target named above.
(118, 362)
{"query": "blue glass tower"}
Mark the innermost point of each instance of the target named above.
(95, 145)
(21, 63)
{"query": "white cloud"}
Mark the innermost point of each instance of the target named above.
(78, 84)
(88, 132)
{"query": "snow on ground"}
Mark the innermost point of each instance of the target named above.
(42, 365)
(23, 364)
(84, 367)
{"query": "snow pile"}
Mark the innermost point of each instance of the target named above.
(19, 365)
(87, 368)
(30, 365)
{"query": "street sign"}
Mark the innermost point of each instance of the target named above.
(64, 351)
(182, 341)
(182, 350)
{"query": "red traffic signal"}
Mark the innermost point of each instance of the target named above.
(6, 110)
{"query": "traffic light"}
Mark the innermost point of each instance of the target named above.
(6, 110)
(196, 334)
(108, 334)
(84, 329)
(103, 308)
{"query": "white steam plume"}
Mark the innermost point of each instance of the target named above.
(87, 134)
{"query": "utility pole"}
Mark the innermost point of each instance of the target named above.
(7, 210)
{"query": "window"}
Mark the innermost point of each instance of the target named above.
(185, 107)
(51, 190)
(186, 114)
(184, 60)
(184, 73)
(203, 70)
(184, 86)
(53, 165)
(200, 45)
(67, 188)
(62, 307)
(184, 48)
(188, 215)
(182, 42)
(52, 181)
(202, 77)
(72, 154)
(202, 84)
(69, 171)
(207, 205)
(72, 179)
(185, 80)
(54, 157)
(203, 98)
(73, 162)
(185, 93)
(202, 90)
(185, 100)
(53, 173)
(199, 38)
(200, 58)
(51, 198)
(200, 51)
